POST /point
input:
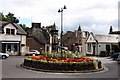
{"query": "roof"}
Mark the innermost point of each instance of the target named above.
(79, 28)
(107, 38)
(19, 28)
(115, 32)
(39, 34)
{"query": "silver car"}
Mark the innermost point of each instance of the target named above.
(33, 52)
(3, 55)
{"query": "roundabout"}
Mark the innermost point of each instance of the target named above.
(14, 70)
(62, 65)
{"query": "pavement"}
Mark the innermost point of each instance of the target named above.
(10, 70)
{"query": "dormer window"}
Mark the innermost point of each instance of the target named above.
(7, 31)
(13, 31)
(10, 31)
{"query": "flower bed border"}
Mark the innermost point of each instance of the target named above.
(59, 71)
(60, 67)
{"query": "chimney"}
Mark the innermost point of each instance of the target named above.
(36, 25)
(110, 31)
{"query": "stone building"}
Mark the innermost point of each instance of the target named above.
(42, 37)
(53, 33)
(75, 41)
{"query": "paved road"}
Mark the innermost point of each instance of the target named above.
(10, 69)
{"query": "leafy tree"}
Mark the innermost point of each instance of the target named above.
(2, 17)
(9, 18)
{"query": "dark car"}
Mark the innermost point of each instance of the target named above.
(118, 60)
(115, 55)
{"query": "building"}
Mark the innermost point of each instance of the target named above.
(37, 37)
(53, 33)
(75, 41)
(97, 43)
(113, 32)
(42, 38)
(12, 39)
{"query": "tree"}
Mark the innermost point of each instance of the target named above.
(23, 26)
(9, 18)
(2, 17)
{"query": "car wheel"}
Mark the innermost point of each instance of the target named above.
(4, 57)
(118, 62)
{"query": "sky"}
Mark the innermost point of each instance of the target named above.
(92, 15)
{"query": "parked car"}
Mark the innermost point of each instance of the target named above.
(33, 52)
(64, 48)
(118, 59)
(3, 55)
(115, 55)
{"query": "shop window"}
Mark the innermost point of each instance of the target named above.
(7, 31)
(9, 47)
(15, 47)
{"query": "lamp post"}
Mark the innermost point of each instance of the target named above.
(61, 11)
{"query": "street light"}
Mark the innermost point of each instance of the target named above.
(61, 11)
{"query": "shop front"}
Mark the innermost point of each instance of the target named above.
(12, 48)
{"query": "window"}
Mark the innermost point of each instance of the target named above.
(12, 31)
(15, 47)
(89, 47)
(99, 45)
(7, 31)
(90, 38)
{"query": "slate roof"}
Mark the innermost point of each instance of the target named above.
(107, 38)
(19, 28)
(115, 32)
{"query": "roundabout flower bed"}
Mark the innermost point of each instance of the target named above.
(62, 64)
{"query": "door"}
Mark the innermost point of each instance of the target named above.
(3, 47)
(108, 49)
(93, 50)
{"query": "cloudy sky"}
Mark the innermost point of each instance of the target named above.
(92, 15)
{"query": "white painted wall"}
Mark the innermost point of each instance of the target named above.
(101, 47)
(23, 41)
(5, 37)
